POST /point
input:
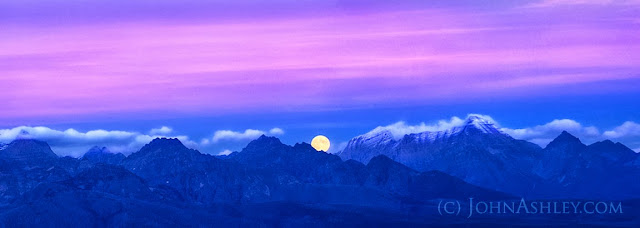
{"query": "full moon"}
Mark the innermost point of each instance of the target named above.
(320, 143)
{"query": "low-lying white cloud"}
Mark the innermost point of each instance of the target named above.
(225, 152)
(545, 133)
(205, 142)
(628, 133)
(401, 128)
(628, 128)
(74, 143)
(276, 131)
(248, 134)
(71, 142)
(161, 131)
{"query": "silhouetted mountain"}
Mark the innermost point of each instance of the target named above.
(16, 181)
(299, 173)
(308, 170)
(102, 155)
(113, 180)
(28, 152)
(302, 162)
(69, 205)
(196, 176)
(600, 170)
(271, 184)
(24, 164)
(397, 178)
(561, 155)
(613, 152)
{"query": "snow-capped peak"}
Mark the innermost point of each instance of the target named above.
(479, 122)
(3, 146)
(473, 122)
(372, 138)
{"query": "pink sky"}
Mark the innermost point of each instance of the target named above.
(318, 61)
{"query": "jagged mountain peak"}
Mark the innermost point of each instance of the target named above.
(613, 151)
(28, 150)
(381, 160)
(263, 142)
(164, 147)
(165, 142)
(566, 134)
(608, 142)
(267, 139)
(386, 163)
(23, 141)
(565, 138)
(303, 146)
(95, 152)
(102, 155)
(97, 149)
(473, 123)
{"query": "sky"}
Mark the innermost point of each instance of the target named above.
(217, 74)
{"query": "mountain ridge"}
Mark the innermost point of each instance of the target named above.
(28, 151)
(168, 179)
(481, 154)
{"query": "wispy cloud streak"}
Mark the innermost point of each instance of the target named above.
(339, 58)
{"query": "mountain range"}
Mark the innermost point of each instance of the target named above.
(376, 180)
(481, 154)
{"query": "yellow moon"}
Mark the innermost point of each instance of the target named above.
(320, 143)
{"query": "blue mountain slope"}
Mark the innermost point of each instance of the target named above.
(24, 164)
(476, 152)
(270, 184)
(198, 177)
(304, 167)
(394, 177)
(28, 152)
(480, 154)
(601, 170)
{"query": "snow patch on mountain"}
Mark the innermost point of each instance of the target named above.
(381, 136)
(371, 140)
(425, 132)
